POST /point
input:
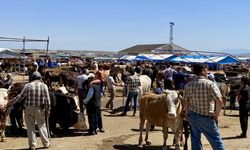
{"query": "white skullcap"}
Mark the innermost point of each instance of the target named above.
(211, 76)
(91, 75)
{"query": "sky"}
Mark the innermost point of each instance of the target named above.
(112, 25)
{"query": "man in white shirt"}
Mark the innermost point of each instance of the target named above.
(111, 88)
(79, 89)
(81, 92)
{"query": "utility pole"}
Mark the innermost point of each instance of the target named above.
(171, 33)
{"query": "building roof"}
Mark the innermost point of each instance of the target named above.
(8, 53)
(153, 48)
(141, 48)
(169, 48)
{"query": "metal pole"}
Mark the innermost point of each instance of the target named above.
(47, 50)
(24, 58)
(46, 57)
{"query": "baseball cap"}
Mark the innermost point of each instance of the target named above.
(36, 75)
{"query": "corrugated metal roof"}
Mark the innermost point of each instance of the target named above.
(153, 48)
(141, 48)
(8, 53)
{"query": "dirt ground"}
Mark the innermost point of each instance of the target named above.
(122, 133)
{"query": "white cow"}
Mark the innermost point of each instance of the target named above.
(3, 112)
(145, 84)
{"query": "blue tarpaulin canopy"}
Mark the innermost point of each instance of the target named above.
(205, 59)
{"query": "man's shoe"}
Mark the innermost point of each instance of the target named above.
(32, 148)
(242, 136)
(123, 114)
(46, 147)
(90, 133)
(107, 106)
(101, 130)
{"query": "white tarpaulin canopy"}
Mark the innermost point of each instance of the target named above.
(8, 53)
(154, 57)
(127, 57)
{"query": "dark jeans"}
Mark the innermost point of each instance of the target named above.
(99, 118)
(243, 118)
(101, 88)
(92, 118)
(52, 120)
(16, 117)
(201, 124)
(81, 95)
(135, 96)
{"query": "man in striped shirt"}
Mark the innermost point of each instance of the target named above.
(37, 100)
(203, 104)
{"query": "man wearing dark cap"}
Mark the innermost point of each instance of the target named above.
(203, 104)
(37, 101)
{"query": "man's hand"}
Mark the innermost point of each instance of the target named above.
(122, 84)
(48, 113)
(215, 115)
(84, 106)
(9, 104)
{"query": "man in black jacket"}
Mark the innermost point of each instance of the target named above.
(93, 105)
(244, 102)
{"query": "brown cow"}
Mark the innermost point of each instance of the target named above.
(224, 89)
(154, 109)
(3, 112)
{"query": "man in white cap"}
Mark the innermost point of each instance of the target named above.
(211, 77)
(37, 103)
(81, 92)
(93, 105)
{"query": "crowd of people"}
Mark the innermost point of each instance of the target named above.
(201, 94)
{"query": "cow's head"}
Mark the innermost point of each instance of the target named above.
(172, 103)
(3, 98)
(172, 95)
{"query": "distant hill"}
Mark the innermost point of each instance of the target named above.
(237, 52)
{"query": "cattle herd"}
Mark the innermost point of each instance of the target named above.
(65, 109)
